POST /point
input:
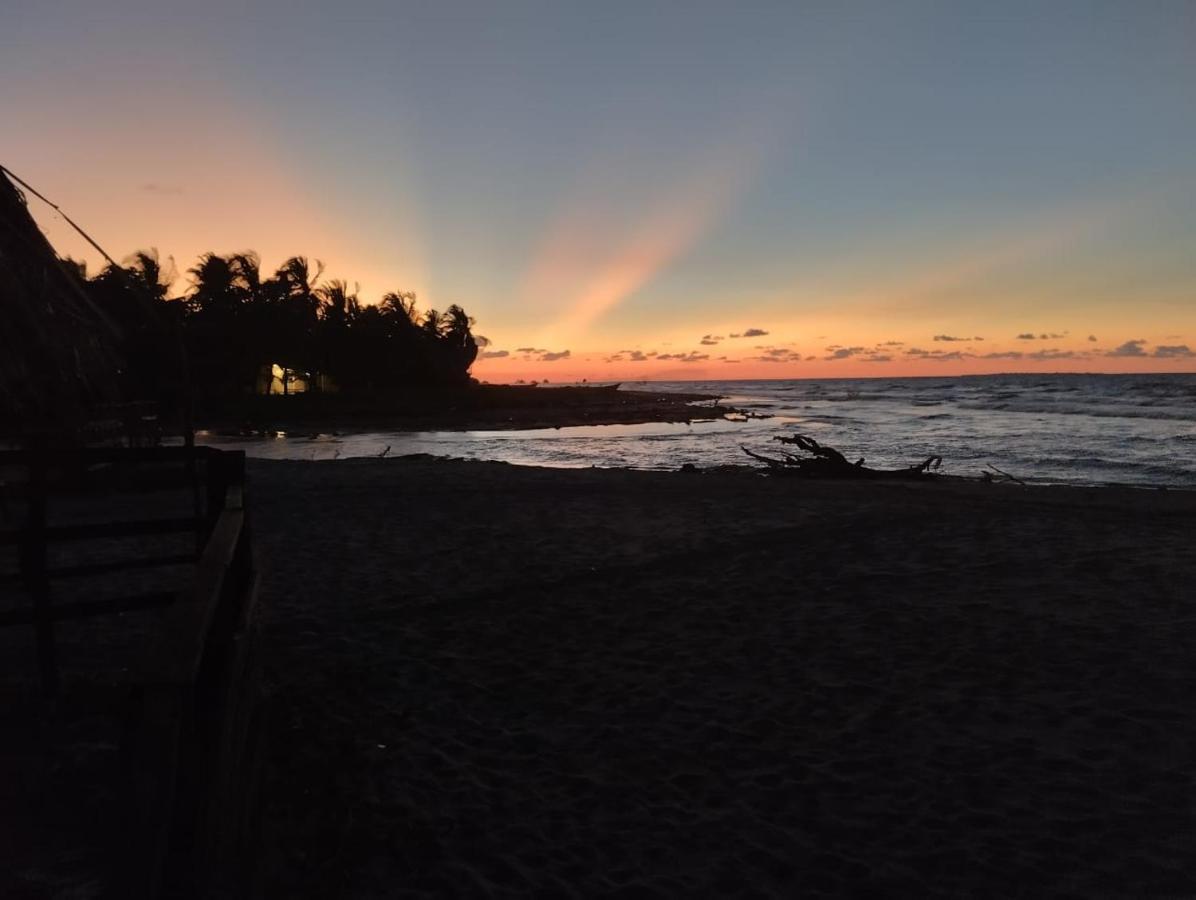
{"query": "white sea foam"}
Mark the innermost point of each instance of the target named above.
(1132, 429)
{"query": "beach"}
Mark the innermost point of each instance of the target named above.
(491, 680)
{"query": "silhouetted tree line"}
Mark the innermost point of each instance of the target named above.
(232, 322)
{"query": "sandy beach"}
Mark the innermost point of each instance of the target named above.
(497, 681)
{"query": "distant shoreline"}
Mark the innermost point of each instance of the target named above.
(491, 407)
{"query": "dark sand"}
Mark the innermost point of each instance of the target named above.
(490, 680)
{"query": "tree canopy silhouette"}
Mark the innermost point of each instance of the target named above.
(236, 324)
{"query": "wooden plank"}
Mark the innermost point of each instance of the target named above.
(177, 656)
(90, 455)
(154, 732)
(92, 530)
(121, 565)
(83, 609)
(33, 566)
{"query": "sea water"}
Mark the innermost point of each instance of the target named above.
(1081, 429)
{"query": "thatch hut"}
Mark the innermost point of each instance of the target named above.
(58, 353)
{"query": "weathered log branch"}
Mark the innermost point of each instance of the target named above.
(827, 462)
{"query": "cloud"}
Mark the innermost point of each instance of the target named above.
(778, 355)
(878, 358)
(691, 357)
(1030, 336)
(546, 356)
(494, 354)
(708, 342)
(843, 352)
(1027, 336)
(1092, 338)
(948, 337)
(751, 333)
(636, 356)
(528, 350)
(162, 190)
(893, 344)
(1008, 354)
(1173, 351)
(938, 355)
(1129, 348)
(1052, 353)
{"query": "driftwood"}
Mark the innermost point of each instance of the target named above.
(827, 462)
(998, 475)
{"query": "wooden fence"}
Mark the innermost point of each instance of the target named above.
(190, 747)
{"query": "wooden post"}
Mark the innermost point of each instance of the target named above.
(217, 482)
(34, 568)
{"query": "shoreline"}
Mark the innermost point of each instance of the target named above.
(482, 407)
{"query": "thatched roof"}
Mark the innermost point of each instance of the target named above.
(57, 350)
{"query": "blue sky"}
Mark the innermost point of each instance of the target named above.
(599, 177)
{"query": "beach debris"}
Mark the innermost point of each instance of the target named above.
(996, 476)
(822, 461)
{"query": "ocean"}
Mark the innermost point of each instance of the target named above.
(1063, 429)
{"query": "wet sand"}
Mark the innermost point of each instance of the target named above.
(496, 681)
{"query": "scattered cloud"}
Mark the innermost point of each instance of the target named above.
(546, 356)
(893, 344)
(1092, 338)
(778, 355)
(708, 342)
(636, 356)
(938, 355)
(842, 352)
(950, 337)
(1008, 354)
(1052, 353)
(529, 350)
(1027, 336)
(1129, 348)
(878, 358)
(1173, 351)
(494, 354)
(751, 333)
(691, 357)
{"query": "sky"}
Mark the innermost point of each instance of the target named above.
(642, 190)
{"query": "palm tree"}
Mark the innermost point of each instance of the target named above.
(339, 315)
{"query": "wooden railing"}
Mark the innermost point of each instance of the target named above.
(191, 721)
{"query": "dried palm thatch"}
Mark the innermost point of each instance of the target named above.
(57, 349)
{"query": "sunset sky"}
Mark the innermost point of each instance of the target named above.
(649, 190)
